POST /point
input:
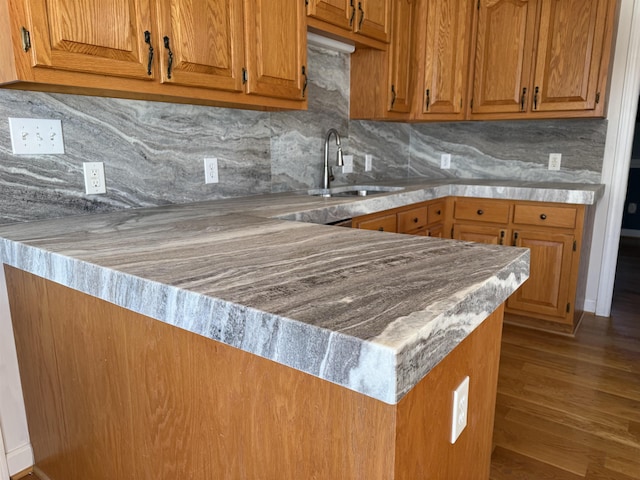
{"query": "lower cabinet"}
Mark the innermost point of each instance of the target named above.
(552, 232)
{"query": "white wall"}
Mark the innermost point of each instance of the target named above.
(623, 101)
(13, 420)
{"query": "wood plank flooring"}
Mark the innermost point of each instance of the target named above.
(569, 408)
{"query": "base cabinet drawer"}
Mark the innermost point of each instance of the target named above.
(545, 216)
(383, 223)
(482, 210)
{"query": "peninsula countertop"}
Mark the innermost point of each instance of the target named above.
(370, 311)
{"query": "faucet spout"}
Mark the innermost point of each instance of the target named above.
(327, 175)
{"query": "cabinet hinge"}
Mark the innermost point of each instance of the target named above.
(478, 4)
(471, 104)
(26, 39)
(451, 232)
(597, 97)
(245, 75)
(306, 2)
(575, 245)
(568, 307)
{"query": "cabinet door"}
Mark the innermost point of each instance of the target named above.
(276, 48)
(400, 57)
(503, 63)
(340, 13)
(569, 53)
(448, 33)
(373, 19)
(493, 235)
(201, 43)
(96, 36)
(547, 289)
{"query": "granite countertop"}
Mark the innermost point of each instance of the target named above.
(371, 311)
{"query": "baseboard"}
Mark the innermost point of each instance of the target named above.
(589, 306)
(627, 232)
(20, 459)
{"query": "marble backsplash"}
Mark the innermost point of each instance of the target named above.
(153, 152)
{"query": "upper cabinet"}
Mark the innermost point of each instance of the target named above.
(443, 36)
(382, 81)
(216, 52)
(541, 58)
(365, 22)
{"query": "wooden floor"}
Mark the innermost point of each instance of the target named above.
(569, 409)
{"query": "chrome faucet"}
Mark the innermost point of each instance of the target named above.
(327, 176)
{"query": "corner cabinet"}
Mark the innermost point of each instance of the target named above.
(365, 22)
(541, 58)
(228, 53)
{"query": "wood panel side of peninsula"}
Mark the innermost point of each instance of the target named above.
(110, 393)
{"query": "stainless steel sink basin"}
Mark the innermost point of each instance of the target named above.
(353, 191)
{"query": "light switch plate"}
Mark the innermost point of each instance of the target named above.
(33, 136)
(445, 161)
(368, 163)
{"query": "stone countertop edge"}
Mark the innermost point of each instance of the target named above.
(374, 369)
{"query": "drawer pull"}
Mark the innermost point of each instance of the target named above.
(480, 212)
(415, 220)
(439, 212)
(543, 216)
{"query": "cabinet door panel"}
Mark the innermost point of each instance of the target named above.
(400, 53)
(568, 56)
(504, 55)
(340, 13)
(547, 289)
(276, 48)
(82, 36)
(493, 235)
(372, 19)
(206, 41)
(448, 30)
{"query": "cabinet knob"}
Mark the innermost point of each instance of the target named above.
(415, 220)
(480, 212)
(381, 229)
(439, 212)
(543, 216)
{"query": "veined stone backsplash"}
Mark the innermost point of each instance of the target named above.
(153, 152)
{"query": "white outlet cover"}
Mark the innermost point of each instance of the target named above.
(459, 409)
(445, 161)
(33, 136)
(210, 170)
(94, 181)
(555, 159)
(368, 163)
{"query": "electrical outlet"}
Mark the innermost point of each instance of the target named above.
(460, 409)
(210, 170)
(368, 163)
(348, 164)
(554, 161)
(94, 182)
(33, 136)
(445, 161)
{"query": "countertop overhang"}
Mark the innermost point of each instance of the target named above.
(370, 311)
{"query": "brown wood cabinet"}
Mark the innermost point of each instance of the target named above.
(553, 233)
(541, 58)
(230, 53)
(443, 36)
(382, 81)
(365, 22)
(112, 394)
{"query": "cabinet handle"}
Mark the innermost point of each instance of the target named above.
(480, 212)
(427, 102)
(147, 40)
(393, 95)
(170, 56)
(353, 13)
(523, 98)
(515, 238)
(535, 98)
(306, 80)
(543, 216)
(361, 15)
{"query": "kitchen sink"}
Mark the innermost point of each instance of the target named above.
(353, 190)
